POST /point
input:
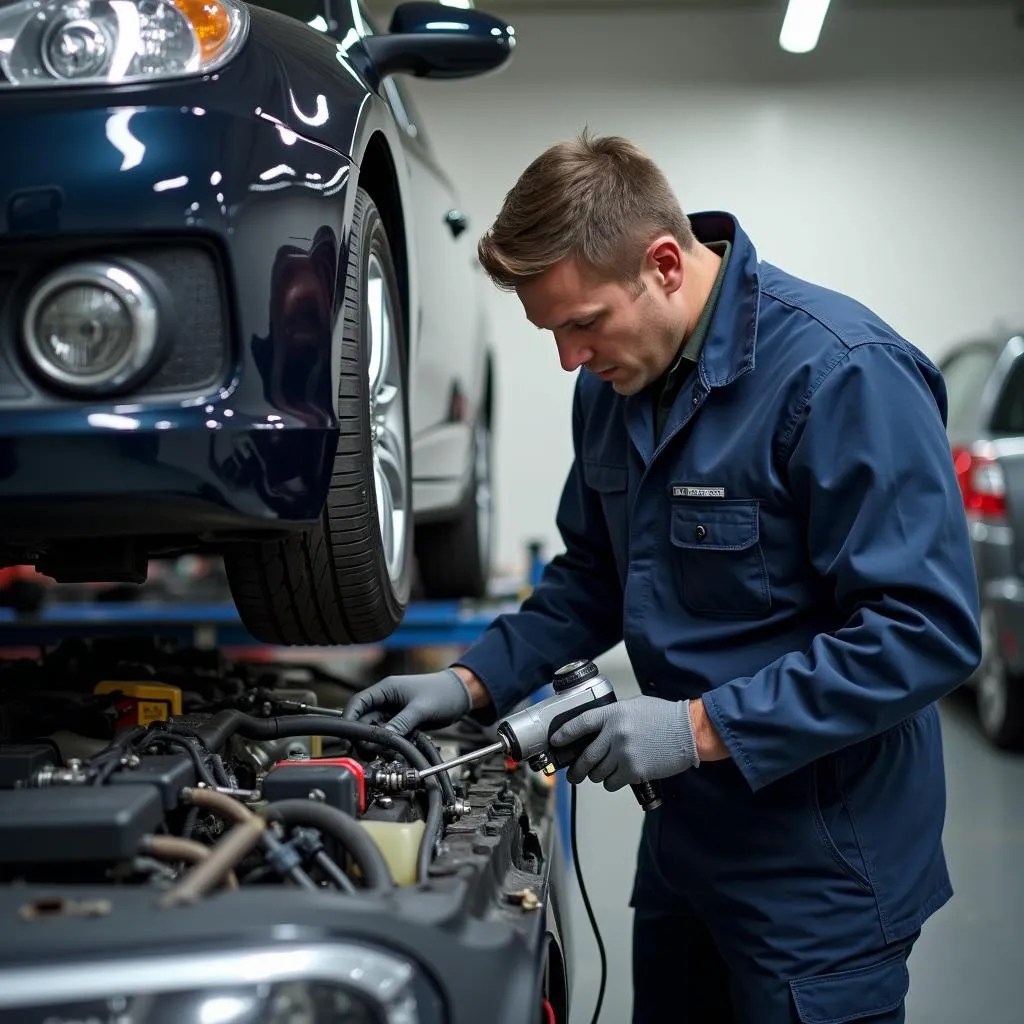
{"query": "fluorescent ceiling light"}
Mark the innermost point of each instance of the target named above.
(802, 25)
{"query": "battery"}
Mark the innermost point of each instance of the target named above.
(142, 703)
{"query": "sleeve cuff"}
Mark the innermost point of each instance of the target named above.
(739, 756)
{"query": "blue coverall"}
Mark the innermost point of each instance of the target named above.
(795, 552)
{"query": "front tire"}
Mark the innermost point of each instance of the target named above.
(347, 580)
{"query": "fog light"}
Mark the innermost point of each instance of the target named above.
(93, 327)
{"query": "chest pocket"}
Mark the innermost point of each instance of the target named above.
(719, 562)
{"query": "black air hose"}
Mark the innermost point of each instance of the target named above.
(340, 826)
(431, 834)
(176, 740)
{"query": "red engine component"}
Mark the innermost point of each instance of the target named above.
(347, 763)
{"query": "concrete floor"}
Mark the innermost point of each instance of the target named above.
(968, 965)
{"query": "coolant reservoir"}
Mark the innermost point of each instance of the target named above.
(399, 842)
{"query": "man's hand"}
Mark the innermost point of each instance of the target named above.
(638, 740)
(430, 699)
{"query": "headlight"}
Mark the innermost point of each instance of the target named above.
(94, 328)
(316, 984)
(89, 42)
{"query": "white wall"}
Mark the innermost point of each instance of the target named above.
(889, 163)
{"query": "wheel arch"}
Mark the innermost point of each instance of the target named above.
(378, 176)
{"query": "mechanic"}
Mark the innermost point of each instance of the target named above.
(763, 505)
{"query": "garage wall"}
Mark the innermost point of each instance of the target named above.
(888, 163)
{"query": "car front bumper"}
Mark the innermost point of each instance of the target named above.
(243, 221)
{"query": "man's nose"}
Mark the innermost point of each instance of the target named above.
(571, 356)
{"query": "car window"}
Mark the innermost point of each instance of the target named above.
(965, 377)
(1008, 415)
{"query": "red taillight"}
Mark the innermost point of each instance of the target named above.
(981, 483)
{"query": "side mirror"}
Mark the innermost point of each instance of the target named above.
(436, 41)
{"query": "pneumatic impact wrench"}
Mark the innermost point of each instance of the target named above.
(526, 735)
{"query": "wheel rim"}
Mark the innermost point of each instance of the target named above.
(484, 496)
(992, 682)
(387, 421)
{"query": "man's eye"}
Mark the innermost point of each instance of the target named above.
(587, 326)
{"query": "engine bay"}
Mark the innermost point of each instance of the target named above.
(138, 779)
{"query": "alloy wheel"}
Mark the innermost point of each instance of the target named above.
(387, 421)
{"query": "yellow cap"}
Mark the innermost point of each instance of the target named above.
(550, 769)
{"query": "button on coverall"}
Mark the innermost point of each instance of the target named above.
(794, 551)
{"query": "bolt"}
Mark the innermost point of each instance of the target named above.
(525, 898)
(384, 802)
(317, 794)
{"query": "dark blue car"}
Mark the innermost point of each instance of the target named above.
(240, 312)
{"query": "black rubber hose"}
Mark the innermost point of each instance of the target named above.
(426, 747)
(225, 724)
(204, 773)
(106, 761)
(214, 733)
(340, 826)
(220, 772)
(431, 832)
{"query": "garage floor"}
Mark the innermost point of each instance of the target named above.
(967, 964)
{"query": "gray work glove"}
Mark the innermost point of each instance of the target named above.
(430, 699)
(638, 740)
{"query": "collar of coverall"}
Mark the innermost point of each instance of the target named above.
(728, 350)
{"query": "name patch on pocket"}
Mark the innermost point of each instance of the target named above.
(690, 491)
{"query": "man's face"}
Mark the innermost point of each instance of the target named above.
(626, 339)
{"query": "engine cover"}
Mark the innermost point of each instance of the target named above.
(76, 823)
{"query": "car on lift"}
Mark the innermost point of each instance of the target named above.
(240, 310)
(985, 424)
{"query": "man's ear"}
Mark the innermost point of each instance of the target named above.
(665, 260)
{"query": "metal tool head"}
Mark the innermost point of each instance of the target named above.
(578, 686)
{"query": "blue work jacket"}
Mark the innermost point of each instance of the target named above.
(794, 550)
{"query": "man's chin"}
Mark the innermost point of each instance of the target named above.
(627, 386)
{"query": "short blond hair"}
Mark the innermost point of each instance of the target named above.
(599, 200)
